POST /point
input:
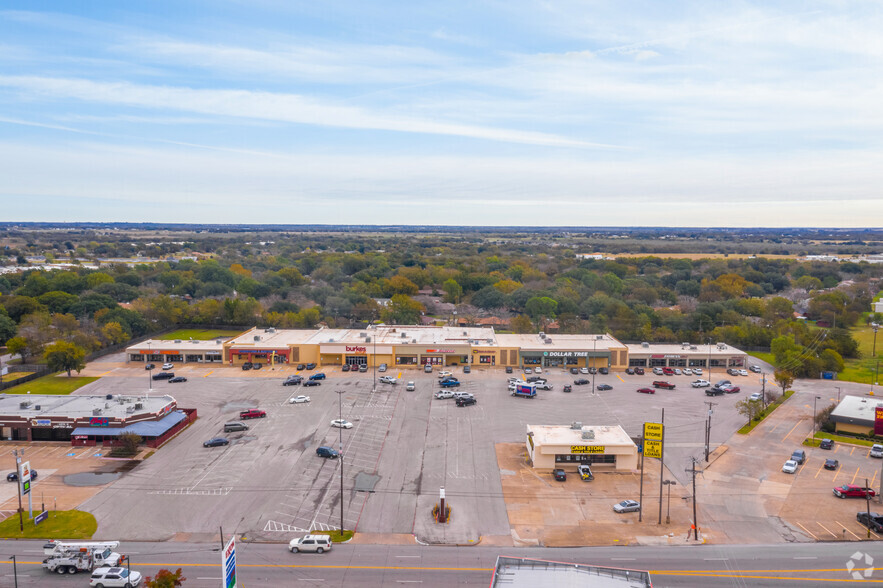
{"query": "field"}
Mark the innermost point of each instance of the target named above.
(200, 334)
(52, 384)
(862, 370)
(15, 375)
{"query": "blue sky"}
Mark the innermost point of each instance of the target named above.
(458, 113)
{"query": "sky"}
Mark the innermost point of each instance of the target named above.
(551, 113)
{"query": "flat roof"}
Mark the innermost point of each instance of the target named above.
(560, 342)
(272, 338)
(157, 345)
(77, 406)
(518, 572)
(715, 349)
(566, 435)
(144, 428)
(381, 334)
(856, 408)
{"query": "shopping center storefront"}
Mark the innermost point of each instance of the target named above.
(239, 356)
(602, 447)
(417, 355)
(177, 351)
(651, 355)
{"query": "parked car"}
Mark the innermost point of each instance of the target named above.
(312, 382)
(876, 451)
(755, 368)
(345, 367)
(114, 577)
(584, 370)
(388, 380)
(246, 366)
(853, 491)
(293, 380)
(544, 386)
(668, 371)
(604, 371)
(444, 374)
(257, 366)
(327, 452)
(318, 376)
(411, 387)
(168, 366)
(311, 366)
(567, 388)
(678, 371)
(790, 466)
(826, 444)
(627, 506)
(688, 372)
(697, 371)
(177, 380)
(756, 396)
(252, 414)
(581, 382)
(700, 383)
(316, 543)
(427, 368)
(657, 371)
(298, 399)
(831, 464)
(715, 391)
(639, 371)
(13, 476)
(382, 368)
(593, 370)
(301, 366)
(536, 380)
(604, 387)
(527, 370)
(730, 389)
(149, 366)
(508, 369)
(722, 383)
(164, 376)
(585, 472)
(341, 424)
(559, 475)
(467, 369)
(363, 368)
(461, 394)
(538, 370)
(450, 383)
(646, 390)
(574, 370)
(663, 384)
(799, 455)
(871, 520)
(465, 401)
(234, 427)
(216, 442)
(732, 372)
(630, 371)
(443, 394)
(743, 372)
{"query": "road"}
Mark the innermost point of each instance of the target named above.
(260, 565)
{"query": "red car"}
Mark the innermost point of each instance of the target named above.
(665, 385)
(646, 390)
(668, 371)
(853, 491)
(252, 414)
(732, 389)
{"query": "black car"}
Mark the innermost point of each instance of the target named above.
(312, 382)
(604, 387)
(604, 371)
(831, 464)
(593, 370)
(574, 371)
(581, 382)
(216, 442)
(257, 366)
(467, 369)
(293, 381)
(164, 376)
(508, 369)
(311, 366)
(177, 379)
(560, 475)
(247, 366)
(465, 401)
(630, 371)
(639, 371)
(301, 366)
(13, 476)
(715, 391)
(536, 379)
(345, 367)
(327, 452)
(149, 366)
(871, 520)
(826, 444)
(567, 388)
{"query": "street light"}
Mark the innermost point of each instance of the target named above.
(814, 414)
(340, 453)
(149, 376)
(668, 483)
(875, 326)
(838, 394)
(594, 367)
(14, 570)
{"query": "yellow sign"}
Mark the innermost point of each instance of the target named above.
(653, 431)
(652, 448)
(586, 449)
(530, 441)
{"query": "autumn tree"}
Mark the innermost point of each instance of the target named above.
(784, 379)
(521, 324)
(402, 310)
(165, 579)
(64, 356)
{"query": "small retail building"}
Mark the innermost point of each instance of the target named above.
(686, 355)
(555, 350)
(857, 414)
(91, 420)
(177, 351)
(604, 447)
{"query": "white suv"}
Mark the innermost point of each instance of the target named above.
(112, 577)
(317, 543)
(876, 451)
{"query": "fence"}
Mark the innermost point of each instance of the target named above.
(37, 371)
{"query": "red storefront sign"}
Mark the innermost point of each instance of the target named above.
(441, 351)
(878, 420)
(355, 349)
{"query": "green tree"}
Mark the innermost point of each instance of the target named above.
(784, 379)
(113, 333)
(402, 285)
(95, 279)
(7, 328)
(402, 310)
(521, 324)
(750, 409)
(64, 356)
(129, 443)
(453, 290)
(165, 579)
(18, 346)
(540, 307)
(831, 361)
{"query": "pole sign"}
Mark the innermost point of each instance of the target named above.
(24, 477)
(653, 431)
(41, 517)
(652, 448)
(878, 420)
(228, 563)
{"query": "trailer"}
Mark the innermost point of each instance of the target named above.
(525, 389)
(71, 557)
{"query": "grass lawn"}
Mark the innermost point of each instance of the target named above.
(15, 375)
(862, 370)
(767, 357)
(816, 439)
(200, 334)
(339, 536)
(769, 410)
(52, 384)
(64, 524)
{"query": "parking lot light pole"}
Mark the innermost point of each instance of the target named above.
(14, 570)
(838, 394)
(875, 326)
(814, 400)
(340, 454)
(595, 368)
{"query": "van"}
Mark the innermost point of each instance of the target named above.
(235, 426)
(328, 452)
(427, 368)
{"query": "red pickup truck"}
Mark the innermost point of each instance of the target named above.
(853, 491)
(252, 414)
(666, 385)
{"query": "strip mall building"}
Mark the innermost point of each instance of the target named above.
(416, 345)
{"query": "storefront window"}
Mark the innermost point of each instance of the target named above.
(176, 357)
(697, 363)
(431, 360)
(638, 362)
(406, 360)
(136, 357)
(531, 360)
(572, 361)
(718, 363)
(194, 358)
(591, 459)
(356, 360)
(737, 362)
(677, 363)
(486, 359)
(657, 362)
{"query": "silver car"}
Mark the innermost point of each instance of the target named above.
(442, 394)
(627, 506)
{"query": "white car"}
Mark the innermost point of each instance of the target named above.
(678, 371)
(341, 424)
(700, 383)
(411, 387)
(443, 394)
(388, 380)
(756, 396)
(168, 366)
(317, 543)
(444, 374)
(755, 368)
(512, 386)
(528, 371)
(538, 370)
(876, 451)
(112, 577)
(742, 372)
(584, 370)
(298, 399)
(688, 372)
(463, 395)
(790, 466)
(697, 371)
(627, 506)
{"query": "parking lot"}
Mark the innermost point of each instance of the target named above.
(404, 446)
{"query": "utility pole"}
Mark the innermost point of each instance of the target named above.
(708, 427)
(868, 505)
(641, 491)
(340, 452)
(21, 523)
(763, 389)
(694, 471)
(14, 570)
(661, 466)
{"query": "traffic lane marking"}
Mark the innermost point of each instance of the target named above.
(821, 467)
(208, 374)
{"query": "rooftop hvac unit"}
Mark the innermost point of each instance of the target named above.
(588, 434)
(257, 337)
(96, 411)
(107, 405)
(24, 404)
(721, 346)
(130, 409)
(194, 341)
(413, 340)
(548, 341)
(218, 341)
(271, 330)
(685, 344)
(542, 335)
(138, 406)
(362, 335)
(599, 337)
(36, 407)
(177, 340)
(331, 339)
(489, 341)
(576, 425)
(404, 335)
(645, 344)
(693, 348)
(367, 339)
(109, 397)
(465, 334)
